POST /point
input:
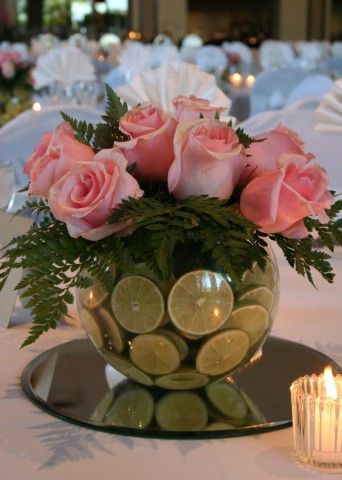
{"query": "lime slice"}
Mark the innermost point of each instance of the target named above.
(142, 270)
(227, 400)
(91, 326)
(259, 294)
(257, 277)
(92, 297)
(125, 366)
(180, 343)
(222, 352)
(219, 426)
(102, 408)
(182, 412)
(113, 334)
(133, 409)
(250, 317)
(182, 379)
(154, 353)
(138, 304)
(200, 302)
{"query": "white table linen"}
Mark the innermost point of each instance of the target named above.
(38, 446)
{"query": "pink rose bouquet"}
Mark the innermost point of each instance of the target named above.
(146, 184)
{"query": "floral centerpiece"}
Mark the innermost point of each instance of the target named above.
(162, 222)
(15, 87)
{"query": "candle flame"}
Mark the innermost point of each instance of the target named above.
(330, 385)
(236, 77)
(36, 107)
(91, 295)
(250, 80)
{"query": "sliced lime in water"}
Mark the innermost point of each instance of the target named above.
(126, 367)
(258, 294)
(177, 340)
(138, 304)
(112, 332)
(200, 302)
(154, 353)
(222, 352)
(250, 317)
(91, 326)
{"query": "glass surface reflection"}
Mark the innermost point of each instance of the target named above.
(74, 383)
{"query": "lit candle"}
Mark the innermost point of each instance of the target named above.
(250, 80)
(236, 80)
(317, 419)
(36, 107)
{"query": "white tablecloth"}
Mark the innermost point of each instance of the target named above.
(34, 445)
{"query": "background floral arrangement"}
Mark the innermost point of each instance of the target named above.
(15, 85)
(146, 184)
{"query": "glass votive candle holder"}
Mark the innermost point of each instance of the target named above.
(317, 420)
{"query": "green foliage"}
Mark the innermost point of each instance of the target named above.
(222, 233)
(84, 131)
(245, 139)
(53, 263)
(103, 134)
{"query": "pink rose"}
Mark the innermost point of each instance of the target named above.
(8, 69)
(87, 194)
(53, 157)
(150, 148)
(190, 108)
(208, 160)
(279, 200)
(264, 155)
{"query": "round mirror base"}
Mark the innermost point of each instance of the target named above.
(72, 382)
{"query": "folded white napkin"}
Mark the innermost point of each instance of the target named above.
(134, 58)
(64, 65)
(329, 113)
(163, 53)
(163, 84)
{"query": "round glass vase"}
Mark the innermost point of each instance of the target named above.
(185, 333)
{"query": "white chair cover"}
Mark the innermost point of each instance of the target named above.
(192, 40)
(272, 88)
(336, 49)
(311, 54)
(19, 137)
(242, 50)
(135, 58)
(211, 59)
(275, 54)
(313, 86)
(326, 146)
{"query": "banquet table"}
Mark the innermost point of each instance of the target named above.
(35, 445)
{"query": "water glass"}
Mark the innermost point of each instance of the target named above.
(7, 184)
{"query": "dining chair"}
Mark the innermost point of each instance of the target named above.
(19, 137)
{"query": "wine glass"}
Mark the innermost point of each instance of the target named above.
(7, 184)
